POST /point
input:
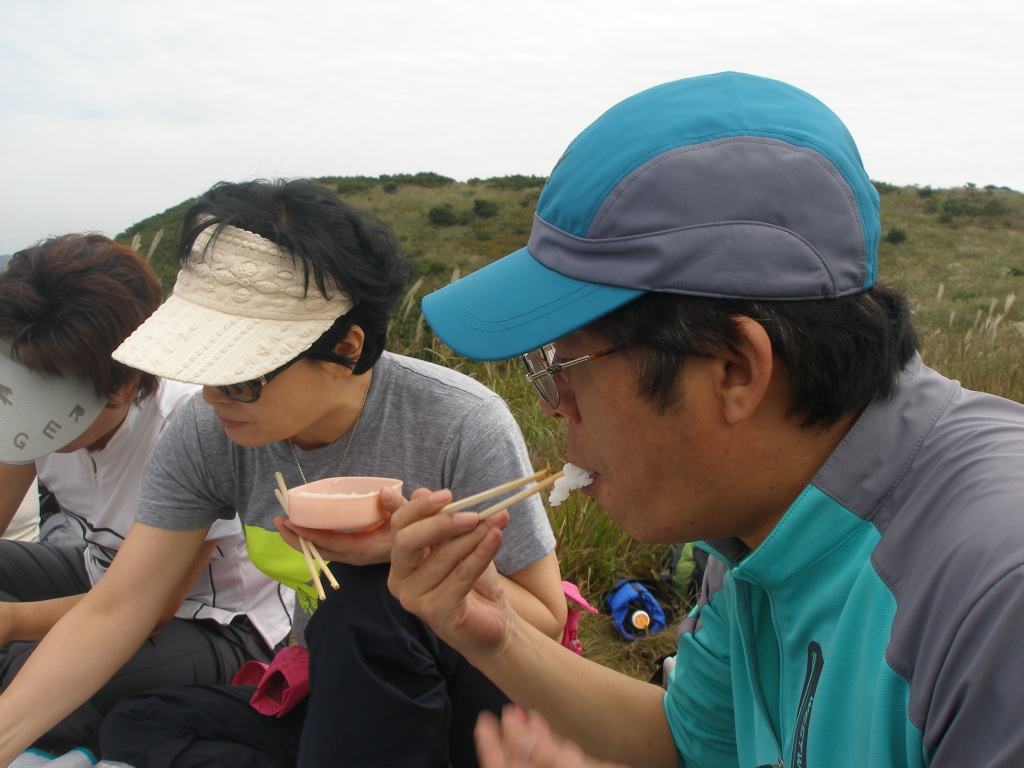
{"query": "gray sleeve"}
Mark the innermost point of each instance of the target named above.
(188, 483)
(976, 707)
(487, 449)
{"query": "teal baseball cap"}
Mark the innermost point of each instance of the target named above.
(725, 186)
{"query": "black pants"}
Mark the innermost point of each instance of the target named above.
(384, 691)
(184, 652)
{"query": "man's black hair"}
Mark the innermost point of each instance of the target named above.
(841, 354)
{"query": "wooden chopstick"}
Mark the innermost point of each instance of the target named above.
(476, 498)
(526, 492)
(323, 565)
(282, 499)
(304, 542)
(309, 550)
(497, 490)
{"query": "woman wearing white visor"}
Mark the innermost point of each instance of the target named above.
(280, 312)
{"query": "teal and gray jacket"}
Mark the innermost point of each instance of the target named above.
(882, 622)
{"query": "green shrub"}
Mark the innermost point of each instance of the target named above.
(967, 202)
(443, 215)
(517, 182)
(895, 235)
(353, 185)
(427, 180)
(485, 209)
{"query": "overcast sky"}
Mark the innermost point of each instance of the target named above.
(112, 111)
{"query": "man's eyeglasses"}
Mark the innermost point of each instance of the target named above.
(250, 391)
(541, 367)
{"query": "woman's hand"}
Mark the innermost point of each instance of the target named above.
(365, 547)
(523, 739)
(441, 571)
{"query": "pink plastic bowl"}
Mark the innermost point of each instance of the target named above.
(339, 503)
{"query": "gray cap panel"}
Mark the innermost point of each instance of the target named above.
(740, 217)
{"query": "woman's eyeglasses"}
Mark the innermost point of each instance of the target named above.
(250, 391)
(541, 367)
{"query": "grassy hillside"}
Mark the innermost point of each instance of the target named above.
(962, 261)
(958, 253)
(476, 222)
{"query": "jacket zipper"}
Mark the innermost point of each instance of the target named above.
(803, 713)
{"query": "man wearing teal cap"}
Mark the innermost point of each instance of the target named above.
(698, 302)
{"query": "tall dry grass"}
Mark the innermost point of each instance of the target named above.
(988, 355)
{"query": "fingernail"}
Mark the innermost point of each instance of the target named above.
(438, 496)
(386, 494)
(465, 520)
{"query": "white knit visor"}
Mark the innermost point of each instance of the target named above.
(239, 309)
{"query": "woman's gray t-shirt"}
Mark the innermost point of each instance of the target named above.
(422, 423)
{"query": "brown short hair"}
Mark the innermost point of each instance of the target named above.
(67, 303)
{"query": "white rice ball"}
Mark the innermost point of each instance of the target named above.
(573, 477)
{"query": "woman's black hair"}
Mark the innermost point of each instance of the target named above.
(338, 247)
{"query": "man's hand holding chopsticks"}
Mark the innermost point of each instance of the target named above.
(442, 571)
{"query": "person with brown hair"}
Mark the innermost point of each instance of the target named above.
(87, 424)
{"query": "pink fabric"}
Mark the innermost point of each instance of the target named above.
(280, 685)
(570, 634)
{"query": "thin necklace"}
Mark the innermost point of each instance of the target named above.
(351, 434)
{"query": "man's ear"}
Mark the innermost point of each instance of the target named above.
(746, 370)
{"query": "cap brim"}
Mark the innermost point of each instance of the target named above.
(515, 305)
(187, 342)
(41, 414)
